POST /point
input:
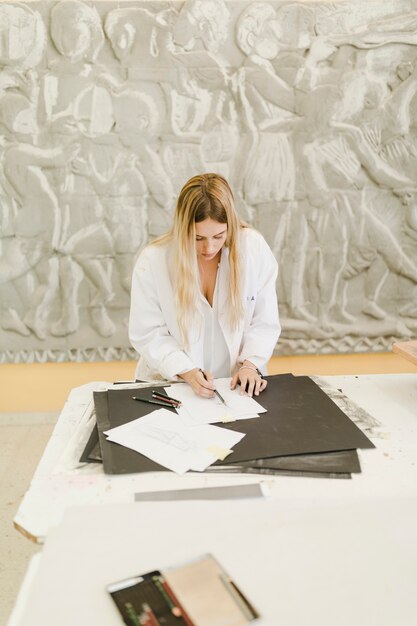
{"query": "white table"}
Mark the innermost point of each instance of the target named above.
(318, 551)
(352, 563)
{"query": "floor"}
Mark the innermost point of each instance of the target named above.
(27, 420)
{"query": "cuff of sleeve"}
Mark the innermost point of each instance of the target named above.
(260, 365)
(176, 363)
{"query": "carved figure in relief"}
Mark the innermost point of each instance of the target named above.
(387, 129)
(202, 24)
(136, 184)
(335, 160)
(266, 99)
(339, 31)
(392, 133)
(17, 259)
(139, 136)
(399, 29)
(265, 173)
(202, 102)
(202, 106)
(179, 50)
(142, 39)
(37, 216)
(84, 242)
(410, 231)
(22, 44)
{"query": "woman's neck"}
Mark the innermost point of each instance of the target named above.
(208, 274)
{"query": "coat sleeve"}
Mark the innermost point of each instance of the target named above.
(148, 330)
(262, 331)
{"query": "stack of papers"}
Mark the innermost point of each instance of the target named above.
(196, 410)
(187, 441)
(163, 437)
(303, 432)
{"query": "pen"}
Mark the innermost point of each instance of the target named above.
(166, 404)
(161, 396)
(164, 395)
(215, 390)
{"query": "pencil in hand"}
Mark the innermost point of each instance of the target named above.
(215, 390)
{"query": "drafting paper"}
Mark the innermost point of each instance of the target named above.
(162, 437)
(197, 410)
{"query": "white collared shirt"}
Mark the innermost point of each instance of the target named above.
(215, 351)
(154, 330)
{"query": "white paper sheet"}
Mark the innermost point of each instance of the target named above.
(163, 437)
(196, 410)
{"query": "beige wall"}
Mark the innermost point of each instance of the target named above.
(47, 385)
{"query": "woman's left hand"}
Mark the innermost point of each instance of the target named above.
(249, 379)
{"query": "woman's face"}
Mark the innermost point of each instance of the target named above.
(210, 238)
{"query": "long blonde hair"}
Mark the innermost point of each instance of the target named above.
(203, 196)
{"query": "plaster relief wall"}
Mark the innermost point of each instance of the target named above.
(106, 109)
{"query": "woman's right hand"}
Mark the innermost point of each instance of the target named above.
(202, 384)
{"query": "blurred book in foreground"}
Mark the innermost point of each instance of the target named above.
(197, 593)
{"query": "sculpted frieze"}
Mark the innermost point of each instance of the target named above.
(107, 108)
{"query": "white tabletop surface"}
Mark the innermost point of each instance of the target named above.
(299, 563)
(389, 470)
(317, 551)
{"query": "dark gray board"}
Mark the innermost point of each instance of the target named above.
(92, 450)
(119, 459)
(301, 419)
(319, 464)
(265, 471)
(343, 461)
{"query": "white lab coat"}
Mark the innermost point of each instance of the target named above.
(153, 328)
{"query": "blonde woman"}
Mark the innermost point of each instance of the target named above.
(203, 302)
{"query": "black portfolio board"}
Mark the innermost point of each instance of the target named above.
(300, 420)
